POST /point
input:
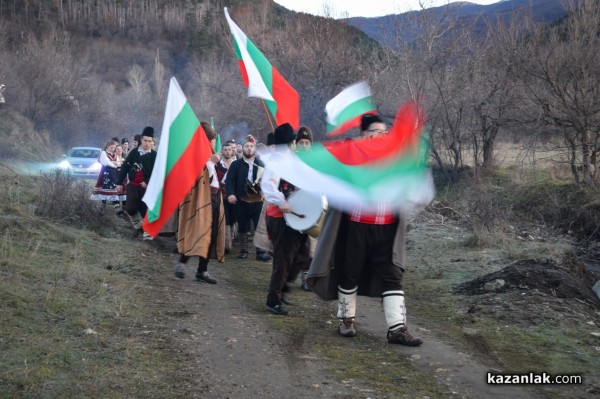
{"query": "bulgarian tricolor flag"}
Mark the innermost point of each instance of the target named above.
(365, 172)
(183, 152)
(263, 81)
(345, 110)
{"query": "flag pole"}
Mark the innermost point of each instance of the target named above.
(267, 113)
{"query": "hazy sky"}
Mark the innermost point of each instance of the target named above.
(364, 8)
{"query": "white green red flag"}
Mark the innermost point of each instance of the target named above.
(365, 172)
(345, 110)
(183, 152)
(263, 80)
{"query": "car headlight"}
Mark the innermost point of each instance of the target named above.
(96, 166)
(64, 165)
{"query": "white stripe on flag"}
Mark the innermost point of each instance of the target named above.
(349, 95)
(256, 84)
(175, 103)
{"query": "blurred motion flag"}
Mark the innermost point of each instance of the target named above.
(183, 152)
(218, 142)
(345, 110)
(365, 172)
(264, 81)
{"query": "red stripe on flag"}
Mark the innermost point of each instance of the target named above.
(181, 179)
(403, 137)
(287, 99)
(244, 73)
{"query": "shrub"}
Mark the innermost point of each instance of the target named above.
(66, 199)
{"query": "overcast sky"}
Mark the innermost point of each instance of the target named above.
(362, 8)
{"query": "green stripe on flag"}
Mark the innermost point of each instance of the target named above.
(181, 131)
(358, 107)
(262, 64)
(362, 178)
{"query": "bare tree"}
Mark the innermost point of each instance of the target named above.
(558, 68)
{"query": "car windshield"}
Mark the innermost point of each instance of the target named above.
(83, 153)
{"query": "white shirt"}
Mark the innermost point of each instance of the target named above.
(105, 161)
(212, 174)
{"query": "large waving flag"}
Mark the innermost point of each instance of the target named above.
(345, 110)
(263, 81)
(183, 152)
(365, 172)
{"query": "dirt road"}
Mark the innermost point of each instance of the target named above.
(231, 349)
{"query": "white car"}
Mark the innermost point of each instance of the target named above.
(82, 161)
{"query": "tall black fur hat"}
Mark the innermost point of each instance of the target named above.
(304, 133)
(367, 119)
(270, 139)
(148, 131)
(284, 134)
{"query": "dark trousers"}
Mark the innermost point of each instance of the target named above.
(370, 246)
(291, 253)
(245, 213)
(229, 213)
(134, 203)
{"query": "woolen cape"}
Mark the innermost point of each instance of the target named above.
(195, 222)
(325, 269)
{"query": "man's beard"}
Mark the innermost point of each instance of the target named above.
(247, 155)
(226, 156)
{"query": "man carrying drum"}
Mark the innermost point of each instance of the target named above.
(290, 247)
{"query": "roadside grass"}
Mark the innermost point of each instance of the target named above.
(482, 226)
(71, 321)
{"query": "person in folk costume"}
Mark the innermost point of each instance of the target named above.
(261, 237)
(137, 168)
(222, 167)
(304, 139)
(120, 155)
(290, 247)
(136, 142)
(363, 253)
(202, 219)
(106, 186)
(243, 190)
(125, 146)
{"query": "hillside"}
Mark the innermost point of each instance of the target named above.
(85, 72)
(467, 14)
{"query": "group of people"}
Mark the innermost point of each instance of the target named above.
(124, 175)
(357, 253)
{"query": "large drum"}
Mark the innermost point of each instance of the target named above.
(308, 212)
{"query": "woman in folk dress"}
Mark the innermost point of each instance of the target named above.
(106, 187)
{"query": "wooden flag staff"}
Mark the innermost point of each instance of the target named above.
(268, 116)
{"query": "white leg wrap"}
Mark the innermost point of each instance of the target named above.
(394, 309)
(137, 221)
(228, 238)
(346, 303)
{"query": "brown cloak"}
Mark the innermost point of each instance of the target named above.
(195, 222)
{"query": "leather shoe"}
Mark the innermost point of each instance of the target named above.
(278, 310)
(204, 276)
(263, 257)
(305, 287)
(243, 255)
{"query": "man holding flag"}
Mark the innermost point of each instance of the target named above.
(369, 248)
(137, 168)
(201, 230)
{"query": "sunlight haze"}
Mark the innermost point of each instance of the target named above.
(360, 8)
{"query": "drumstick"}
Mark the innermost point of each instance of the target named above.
(297, 214)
